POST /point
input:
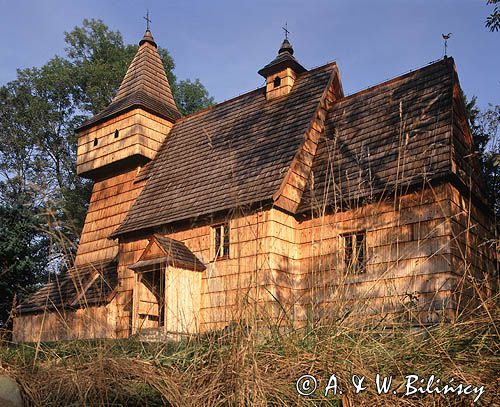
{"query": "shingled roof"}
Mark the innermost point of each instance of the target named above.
(284, 59)
(145, 85)
(174, 253)
(92, 284)
(396, 133)
(232, 154)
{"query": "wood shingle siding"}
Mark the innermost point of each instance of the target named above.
(145, 85)
(110, 201)
(232, 154)
(390, 136)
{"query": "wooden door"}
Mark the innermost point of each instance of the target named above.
(183, 300)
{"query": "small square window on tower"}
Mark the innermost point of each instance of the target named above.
(221, 240)
(355, 252)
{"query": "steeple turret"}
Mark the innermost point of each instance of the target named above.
(282, 71)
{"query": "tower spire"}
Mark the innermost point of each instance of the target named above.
(145, 84)
(282, 71)
(129, 132)
(148, 21)
(283, 60)
(148, 37)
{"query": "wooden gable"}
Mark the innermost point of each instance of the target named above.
(164, 250)
(235, 153)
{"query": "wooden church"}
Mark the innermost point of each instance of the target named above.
(287, 205)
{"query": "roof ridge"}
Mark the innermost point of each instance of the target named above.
(396, 78)
(260, 88)
(311, 134)
(224, 102)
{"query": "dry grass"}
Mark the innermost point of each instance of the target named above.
(249, 368)
(260, 367)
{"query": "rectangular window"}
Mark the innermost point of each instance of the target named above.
(221, 240)
(355, 252)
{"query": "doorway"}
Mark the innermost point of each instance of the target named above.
(150, 299)
(167, 298)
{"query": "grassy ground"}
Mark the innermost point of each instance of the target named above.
(243, 368)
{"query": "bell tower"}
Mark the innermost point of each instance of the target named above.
(129, 132)
(116, 143)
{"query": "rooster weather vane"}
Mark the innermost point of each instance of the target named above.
(446, 37)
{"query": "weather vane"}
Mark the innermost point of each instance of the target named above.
(148, 20)
(446, 37)
(285, 28)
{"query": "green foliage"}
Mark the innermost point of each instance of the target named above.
(191, 96)
(39, 112)
(102, 59)
(493, 20)
(23, 255)
(484, 127)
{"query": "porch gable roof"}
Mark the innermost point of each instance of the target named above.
(161, 249)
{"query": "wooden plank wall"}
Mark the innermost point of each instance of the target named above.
(110, 201)
(147, 306)
(183, 300)
(83, 323)
(284, 271)
(409, 267)
(231, 286)
(129, 253)
(474, 253)
(139, 133)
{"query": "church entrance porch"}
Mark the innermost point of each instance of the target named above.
(167, 290)
(167, 302)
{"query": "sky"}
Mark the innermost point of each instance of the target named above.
(225, 43)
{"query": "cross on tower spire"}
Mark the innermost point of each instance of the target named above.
(285, 28)
(148, 20)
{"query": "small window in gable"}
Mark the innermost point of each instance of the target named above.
(221, 239)
(277, 82)
(117, 133)
(355, 252)
(95, 142)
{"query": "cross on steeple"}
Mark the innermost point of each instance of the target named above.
(285, 28)
(148, 20)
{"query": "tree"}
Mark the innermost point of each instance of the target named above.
(484, 127)
(23, 255)
(493, 20)
(191, 96)
(39, 112)
(102, 60)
